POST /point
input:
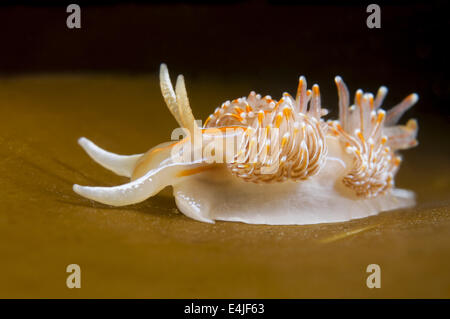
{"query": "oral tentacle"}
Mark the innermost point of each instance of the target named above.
(122, 165)
(133, 192)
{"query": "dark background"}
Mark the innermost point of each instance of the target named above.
(271, 43)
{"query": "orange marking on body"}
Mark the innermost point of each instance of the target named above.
(207, 120)
(200, 169)
(268, 131)
(380, 117)
(142, 165)
(358, 98)
(159, 149)
(361, 137)
(238, 109)
(235, 116)
(316, 89)
(222, 129)
(410, 97)
(278, 120)
(287, 112)
(285, 94)
(299, 88)
(278, 104)
(260, 118)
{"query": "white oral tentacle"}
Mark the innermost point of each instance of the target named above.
(122, 165)
(133, 192)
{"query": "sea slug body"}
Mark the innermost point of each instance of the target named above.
(261, 161)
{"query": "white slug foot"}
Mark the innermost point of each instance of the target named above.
(314, 201)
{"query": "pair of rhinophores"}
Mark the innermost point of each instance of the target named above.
(290, 166)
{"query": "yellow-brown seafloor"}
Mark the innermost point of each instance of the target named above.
(152, 251)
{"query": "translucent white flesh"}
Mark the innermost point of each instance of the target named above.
(122, 165)
(133, 192)
(314, 201)
(159, 170)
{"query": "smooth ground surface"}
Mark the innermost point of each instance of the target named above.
(152, 251)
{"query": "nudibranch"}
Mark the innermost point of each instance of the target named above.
(261, 161)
